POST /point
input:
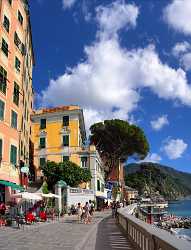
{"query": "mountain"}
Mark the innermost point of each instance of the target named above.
(153, 177)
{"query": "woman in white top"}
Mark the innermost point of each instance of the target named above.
(79, 212)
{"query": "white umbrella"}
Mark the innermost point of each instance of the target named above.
(49, 195)
(27, 196)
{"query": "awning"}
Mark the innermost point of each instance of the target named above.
(101, 197)
(14, 186)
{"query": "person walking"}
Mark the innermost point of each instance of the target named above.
(87, 213)
(79, 212)
(113, 209)
(91, 204)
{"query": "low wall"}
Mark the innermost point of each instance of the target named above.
(75, 195)
(145, 237)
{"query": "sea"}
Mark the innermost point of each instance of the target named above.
(181, 208)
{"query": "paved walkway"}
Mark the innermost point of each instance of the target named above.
(108, 236)
(65, 235)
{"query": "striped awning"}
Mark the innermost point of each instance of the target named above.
(13, 185)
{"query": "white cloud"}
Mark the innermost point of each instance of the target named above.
(186, 61)
(178, 15)
(115, 16)
(107, 83)
(182, 51)
(180, 48)
(160, 122)
(152, 158)
(67, 4)
(174, 148)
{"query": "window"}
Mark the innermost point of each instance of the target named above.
(23, 50)
(17, 64)
(10, 2)
(66, 158)
(20, 18)
(3, 80)
(13, 155)
(66, 140)
(42, 161)
(66, 120)
(6, 23)
(5, 47)
(1, 149)
(21, 148)
(16, 94)
(2, 108)
(17, 41)
(42, 142)
(84, 162)
(98, 185)
(42, 123)
(13, 119)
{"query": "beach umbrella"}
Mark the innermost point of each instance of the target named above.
(27, 196)
(49, 195)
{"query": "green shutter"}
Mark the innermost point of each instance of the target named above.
(3, 80)
(98, 185)
(16, 94)
(2, 107)
(42, 161)
(6, 23)
(1, 149)
(13, 119)
(42, 142)
(43, 123)
(5, 47)
(66, 120)
(66, 158)
(66, 140)
(13, 155)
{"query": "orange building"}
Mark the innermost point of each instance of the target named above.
(16, 94)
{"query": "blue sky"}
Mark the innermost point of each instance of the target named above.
(119, 59)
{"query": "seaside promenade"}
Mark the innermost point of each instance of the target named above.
(66, 234)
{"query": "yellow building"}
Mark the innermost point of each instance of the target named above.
(58, 134)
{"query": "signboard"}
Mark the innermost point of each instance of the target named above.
(25, 169)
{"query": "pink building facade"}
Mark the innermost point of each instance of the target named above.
(16, 94)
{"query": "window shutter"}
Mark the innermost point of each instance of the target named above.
(66, 140)
(42, 142)
(1, 148)
(13, 156)
(2, 107)
(43, 123)
(66, 120)
(66, 158)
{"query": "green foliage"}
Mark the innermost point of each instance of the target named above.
(45, 188)
(117, 139)
(152, 178)
(67, 171)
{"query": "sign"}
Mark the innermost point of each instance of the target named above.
(25, 169)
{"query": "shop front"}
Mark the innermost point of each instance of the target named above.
(9, 181)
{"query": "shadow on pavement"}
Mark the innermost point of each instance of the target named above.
(109, 236)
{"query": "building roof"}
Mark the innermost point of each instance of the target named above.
(58, 111)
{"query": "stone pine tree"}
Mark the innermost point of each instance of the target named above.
(116, 140)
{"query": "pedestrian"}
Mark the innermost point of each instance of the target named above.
(79, 212)
(113, 208)
(91, 207)
(87, 214)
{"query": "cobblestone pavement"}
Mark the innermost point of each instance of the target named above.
(66, 234)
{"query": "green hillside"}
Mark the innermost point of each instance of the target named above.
(152, 178)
